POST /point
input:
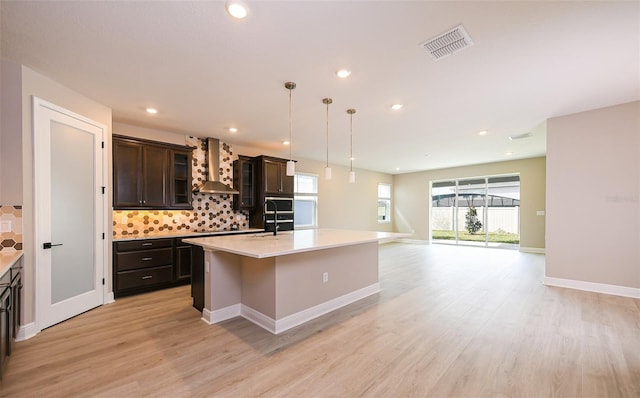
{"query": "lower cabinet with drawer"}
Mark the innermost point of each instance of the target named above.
(145, 265)
(10, 309)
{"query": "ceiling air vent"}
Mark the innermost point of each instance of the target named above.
(520, 137)
(447, 43)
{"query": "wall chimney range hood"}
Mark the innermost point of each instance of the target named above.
(213, 184)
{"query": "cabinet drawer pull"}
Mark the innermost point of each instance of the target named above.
(147, 244)
(147, 277)
(146, 258)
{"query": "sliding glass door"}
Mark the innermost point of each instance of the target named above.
(479, 211)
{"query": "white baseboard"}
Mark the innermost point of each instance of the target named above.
(109, 298)
(614, 290)
(291, 321)
(259, 319)
(414, 241)
(220, 315)
(27, 331)
(301, 317)
(537, 250)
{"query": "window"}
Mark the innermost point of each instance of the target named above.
(384, 203)
(481, 211)
(305, 201)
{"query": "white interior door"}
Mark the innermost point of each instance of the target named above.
(69, 213)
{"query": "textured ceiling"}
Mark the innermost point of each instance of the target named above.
(206, 72)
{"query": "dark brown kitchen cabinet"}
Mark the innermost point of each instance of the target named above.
(183, 258)
(5, 326)
(180, 179)
(150, 175)
(154, 177)
(150, 264)
(275, 179)
(10, 310)
(271, 182)
(16, 297)
(244, 182)
(142, 265)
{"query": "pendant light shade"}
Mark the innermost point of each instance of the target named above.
(352, 174)
(327, 169)
(291, 165)
(291, 168)
(327, 173)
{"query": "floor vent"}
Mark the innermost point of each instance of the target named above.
(447, 43)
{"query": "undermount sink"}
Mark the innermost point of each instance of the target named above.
(264, 235)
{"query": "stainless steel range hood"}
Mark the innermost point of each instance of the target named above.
(213, 184)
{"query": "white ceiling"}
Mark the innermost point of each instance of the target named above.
(206, 72)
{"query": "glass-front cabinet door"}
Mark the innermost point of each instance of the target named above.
(180, 179)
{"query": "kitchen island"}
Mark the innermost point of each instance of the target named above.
(279, 282)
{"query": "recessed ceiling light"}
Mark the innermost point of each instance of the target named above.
(343, 73)
(396, 107)
(285, 142)
(483, 132)
(237, 9)
(397, 168)
(233, 130)
(509, 153)
(152, 111)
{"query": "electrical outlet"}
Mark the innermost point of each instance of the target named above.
(5, 226)
(325, 277)
(540, 213)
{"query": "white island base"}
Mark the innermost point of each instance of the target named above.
(281, 282)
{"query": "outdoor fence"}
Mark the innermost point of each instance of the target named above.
(505, 219)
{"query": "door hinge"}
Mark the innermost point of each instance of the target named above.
(103, 235)
(103, 190)
(103, 144)
(103, 281)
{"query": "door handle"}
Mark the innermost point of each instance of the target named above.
(49, 245)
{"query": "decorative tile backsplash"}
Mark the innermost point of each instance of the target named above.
(11, 240)
(210, 212)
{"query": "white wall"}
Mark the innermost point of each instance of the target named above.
(345, 205)
(593, 190)
(10, 134)
(413, 198)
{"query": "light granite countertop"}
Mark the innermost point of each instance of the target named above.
(8, 259)
(182, 234)
(262, 245)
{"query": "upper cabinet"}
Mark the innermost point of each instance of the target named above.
(180, 178)
(150, 175)
(257, 178)
(244, 182)
(275, 179)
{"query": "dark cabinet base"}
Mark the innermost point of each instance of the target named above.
(141, 266)
(142, 278)
(197, 277)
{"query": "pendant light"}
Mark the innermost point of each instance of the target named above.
(327, 169)
(352, 174)
(291, 165)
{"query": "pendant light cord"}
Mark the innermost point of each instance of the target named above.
(351, 141)
(290, 126)
(328, 133)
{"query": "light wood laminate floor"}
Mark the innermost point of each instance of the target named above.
(449, 322)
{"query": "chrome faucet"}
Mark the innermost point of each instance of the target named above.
(275, 215)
